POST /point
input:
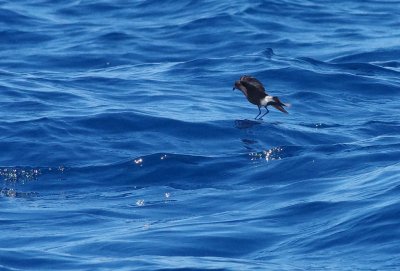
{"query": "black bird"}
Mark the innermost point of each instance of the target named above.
(255, 93)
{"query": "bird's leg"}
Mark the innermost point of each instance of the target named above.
(265, 113)
(259, 112)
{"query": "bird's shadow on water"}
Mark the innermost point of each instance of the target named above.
(245, 124)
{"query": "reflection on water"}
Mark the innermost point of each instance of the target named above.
(19, 174)
(268, 155)
(12, 193)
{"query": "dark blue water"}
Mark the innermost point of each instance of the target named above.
(123, 146)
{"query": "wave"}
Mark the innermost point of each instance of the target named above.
(121, 139)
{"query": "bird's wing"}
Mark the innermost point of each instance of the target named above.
(252, 83)
(250, 79)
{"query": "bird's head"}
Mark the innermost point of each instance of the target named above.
(236, 85)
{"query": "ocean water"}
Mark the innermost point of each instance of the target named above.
(123, 146)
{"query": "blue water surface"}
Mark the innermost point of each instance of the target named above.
(123, 146)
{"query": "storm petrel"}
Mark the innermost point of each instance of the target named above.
(255, 93)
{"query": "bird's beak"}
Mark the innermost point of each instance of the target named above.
(237, 85)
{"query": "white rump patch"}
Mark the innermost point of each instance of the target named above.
(266, 100)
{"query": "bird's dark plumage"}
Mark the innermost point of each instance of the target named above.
(255, 93)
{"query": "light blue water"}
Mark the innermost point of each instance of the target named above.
(123, 146)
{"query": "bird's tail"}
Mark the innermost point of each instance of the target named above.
(279, 105)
